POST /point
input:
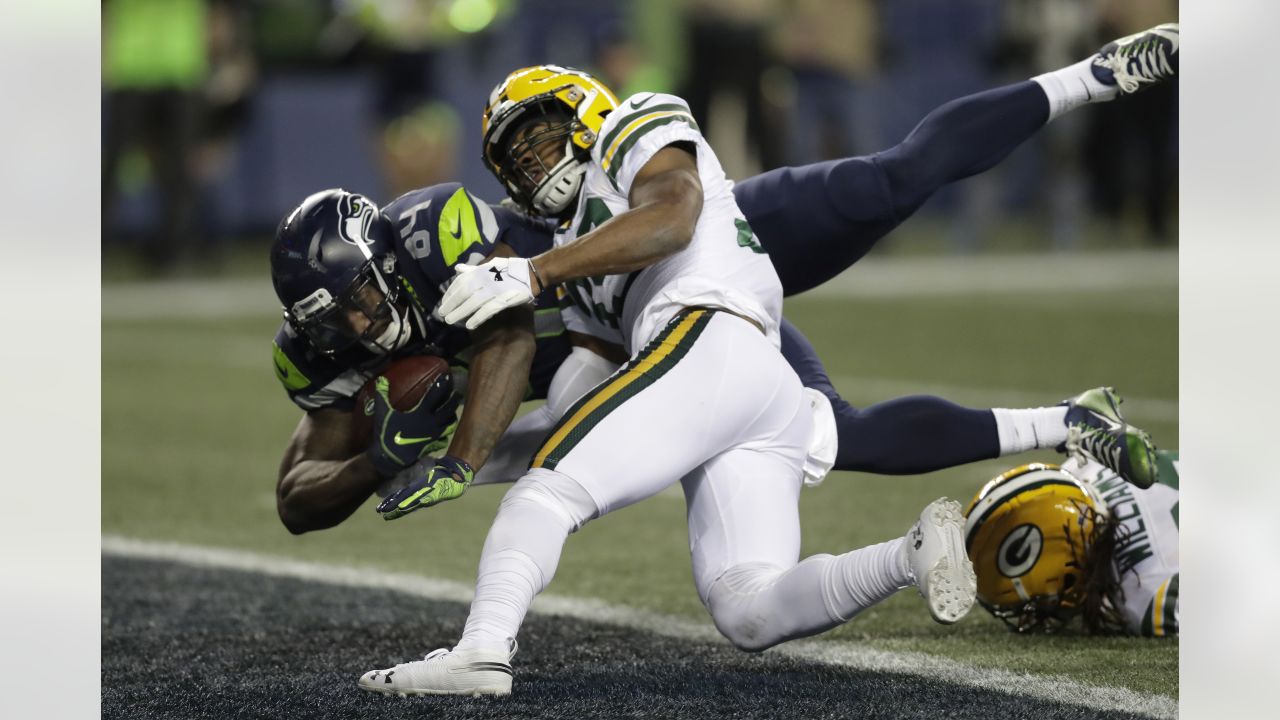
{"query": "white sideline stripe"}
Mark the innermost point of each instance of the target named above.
(1158, 409)
(185, 299)
(873, 277)
(1034, 274)
(844, 654)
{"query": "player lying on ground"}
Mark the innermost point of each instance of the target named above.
(669, 212)
(835, 210)
(1051, 544)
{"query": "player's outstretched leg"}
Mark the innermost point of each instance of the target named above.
(763, 599)
(1097, 430)
(817, 220)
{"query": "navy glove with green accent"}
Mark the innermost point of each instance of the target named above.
(446, 479)
(400, 438)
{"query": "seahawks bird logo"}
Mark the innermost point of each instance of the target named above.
(1019, 551)
(356, 221)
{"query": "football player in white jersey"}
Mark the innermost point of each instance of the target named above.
(655, 256)
(1051, 544)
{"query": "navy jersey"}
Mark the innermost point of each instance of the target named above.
(438, 227)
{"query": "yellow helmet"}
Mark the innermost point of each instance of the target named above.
(573, 106)
(1029, 533)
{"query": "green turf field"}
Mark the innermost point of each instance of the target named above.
(194, 423)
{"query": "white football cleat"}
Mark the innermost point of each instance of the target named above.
(939, 565)
(447, 672)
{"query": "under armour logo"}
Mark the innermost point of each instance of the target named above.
(497, 274)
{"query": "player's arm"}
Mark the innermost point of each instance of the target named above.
(325, 474)
(498, 376)
(665, 199)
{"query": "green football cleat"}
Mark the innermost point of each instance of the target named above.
(1096, 430)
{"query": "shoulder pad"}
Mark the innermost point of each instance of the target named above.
(311, 380)
(442, 225)
(637, 117)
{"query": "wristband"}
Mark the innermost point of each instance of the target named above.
(457, 466)
(534, 269)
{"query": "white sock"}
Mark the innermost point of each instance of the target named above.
(866, 576)
(1073, 86)
(1030, 429)
(521, 553)
(757, 605)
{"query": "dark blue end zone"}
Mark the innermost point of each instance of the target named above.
(184, 642)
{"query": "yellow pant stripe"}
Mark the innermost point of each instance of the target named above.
(644, 364)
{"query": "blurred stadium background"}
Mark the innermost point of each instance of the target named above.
(1053, 273)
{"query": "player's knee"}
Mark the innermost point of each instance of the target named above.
(740, 610)
(556, 492)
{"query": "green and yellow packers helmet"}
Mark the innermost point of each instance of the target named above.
(571, 107)
(1029, 532)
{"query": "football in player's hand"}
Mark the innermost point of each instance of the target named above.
(408, 379)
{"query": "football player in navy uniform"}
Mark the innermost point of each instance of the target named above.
(359, 285)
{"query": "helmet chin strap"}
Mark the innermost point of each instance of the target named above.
(560, 187)
(394, 337)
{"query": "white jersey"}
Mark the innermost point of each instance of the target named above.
(1146, 554)
(723, 267)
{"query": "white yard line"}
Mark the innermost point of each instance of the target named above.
(844, 654)
(1031, 274)
(875, 277)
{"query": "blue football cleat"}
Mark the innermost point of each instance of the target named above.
(1097, 430)
(1136, 61)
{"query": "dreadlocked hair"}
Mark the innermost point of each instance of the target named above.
(1100, 591)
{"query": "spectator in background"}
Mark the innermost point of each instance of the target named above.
(1040, 35)
(831, 49)
(227, 98)
(1132, 153)
(154, 63)
(417, 131)
(729, 52)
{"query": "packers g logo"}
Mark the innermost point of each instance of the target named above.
(1019, 551)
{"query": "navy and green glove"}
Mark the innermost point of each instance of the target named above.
(400, 438)
(432, 484)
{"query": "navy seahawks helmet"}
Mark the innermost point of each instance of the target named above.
(333, 266)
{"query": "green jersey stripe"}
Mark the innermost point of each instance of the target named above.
(615, 163)
(627, 120)
(1171, 607)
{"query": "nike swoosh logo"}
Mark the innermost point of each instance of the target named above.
(456, 230)
(408, 441)
(636, 103)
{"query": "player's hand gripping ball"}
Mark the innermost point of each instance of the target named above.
(410, 410)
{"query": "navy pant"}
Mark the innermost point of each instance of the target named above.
(817, 220)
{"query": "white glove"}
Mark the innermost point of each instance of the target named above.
(479, 292)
